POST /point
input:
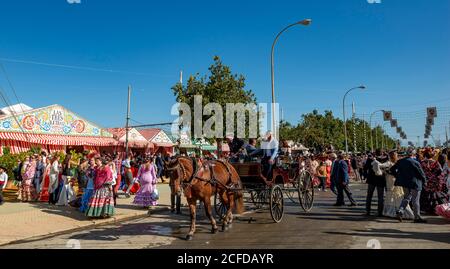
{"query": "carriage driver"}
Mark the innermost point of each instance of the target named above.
(269, 146)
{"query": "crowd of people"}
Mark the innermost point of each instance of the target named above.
(91, 184)
(406, 183)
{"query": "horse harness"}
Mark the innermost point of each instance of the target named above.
(186, 185)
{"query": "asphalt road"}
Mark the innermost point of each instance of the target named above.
(325, 227)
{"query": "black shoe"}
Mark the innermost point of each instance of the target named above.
(400, 216)
(339, 205)
(353, 204)
(178, 212)
(367, 214)
(420, 221)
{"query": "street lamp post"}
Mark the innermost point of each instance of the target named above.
(370, 127)
(376, 135)
(343, 110)
(127, 129)
(303, 22)
(385, 140)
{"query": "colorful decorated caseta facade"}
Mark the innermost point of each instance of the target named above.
(52, 120)
(162, 138)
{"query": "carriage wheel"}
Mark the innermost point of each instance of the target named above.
(255, 197)
(290, 193)
(259, 198)
(293, 189)
(276, 204)
(306, 191)
(252, 194)
(219, 207)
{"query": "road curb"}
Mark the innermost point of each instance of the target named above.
(94, 224)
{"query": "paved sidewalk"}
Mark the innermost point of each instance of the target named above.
(22, 221)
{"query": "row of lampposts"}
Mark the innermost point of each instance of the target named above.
(307, 22)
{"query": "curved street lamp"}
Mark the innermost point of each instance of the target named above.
(304, 23)
(343, 109)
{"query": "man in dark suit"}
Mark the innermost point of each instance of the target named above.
(376, 181)
(410, 175)
(341, 180)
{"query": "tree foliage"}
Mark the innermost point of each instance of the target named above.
(221, 86)
(323, 131)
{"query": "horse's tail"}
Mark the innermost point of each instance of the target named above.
(238, 191)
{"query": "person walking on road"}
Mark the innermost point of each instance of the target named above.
(341, 179)
(322, 175)
(354, 163)
(394, 194)
(376, 180)
(409, 175)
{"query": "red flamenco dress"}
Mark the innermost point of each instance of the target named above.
(45, 196)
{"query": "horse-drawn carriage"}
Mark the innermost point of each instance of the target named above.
(228, 182)
(289, 180)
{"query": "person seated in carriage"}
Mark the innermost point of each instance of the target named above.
(236, 146)
(251, 152)
(285, 158)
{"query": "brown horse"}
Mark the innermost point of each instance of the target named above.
(201, 182)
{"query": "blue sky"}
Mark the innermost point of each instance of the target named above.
(399, 49)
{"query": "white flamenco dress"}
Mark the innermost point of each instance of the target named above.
(67, 193)
(394, 196)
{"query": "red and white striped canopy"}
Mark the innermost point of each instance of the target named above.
(61, 140)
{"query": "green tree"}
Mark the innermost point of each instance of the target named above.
(321, 131)
(221, 86)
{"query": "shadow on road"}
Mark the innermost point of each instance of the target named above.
(65, 211)
(394, 233)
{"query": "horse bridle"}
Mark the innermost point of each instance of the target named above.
(182, 171)
(185, 184)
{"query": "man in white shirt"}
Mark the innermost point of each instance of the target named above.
(3, 183)
(270, 148)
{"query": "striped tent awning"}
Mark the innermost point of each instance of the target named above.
(137, 144)
(163, 144)
(55, 148)
(61, 140)
(15, 147)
